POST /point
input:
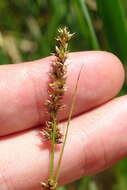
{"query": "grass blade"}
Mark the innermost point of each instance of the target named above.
(83, 10)
(114, 21)
(68, 124)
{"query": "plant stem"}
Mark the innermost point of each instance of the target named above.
(53, 150)
(68, 124)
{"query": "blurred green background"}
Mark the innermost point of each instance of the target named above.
(27, 31)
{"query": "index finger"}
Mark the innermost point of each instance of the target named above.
(23, 88)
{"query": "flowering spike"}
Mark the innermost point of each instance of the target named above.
(57, 86)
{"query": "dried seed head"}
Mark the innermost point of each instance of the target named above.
(57, 86)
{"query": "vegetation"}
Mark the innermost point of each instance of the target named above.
(27, 30)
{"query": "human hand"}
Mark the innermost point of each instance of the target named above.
(97, 137)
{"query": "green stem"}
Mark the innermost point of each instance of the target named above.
(53, 150)
(68, 124)
(86, 15)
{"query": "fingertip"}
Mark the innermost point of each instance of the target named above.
(115, 70)
(101, 58)
(101, 79)
(115, 63)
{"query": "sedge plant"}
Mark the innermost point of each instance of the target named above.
(51, 131)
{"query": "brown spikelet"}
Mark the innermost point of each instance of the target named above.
(57, 86)
(50, 185)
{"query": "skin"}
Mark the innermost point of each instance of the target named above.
(97, 134)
